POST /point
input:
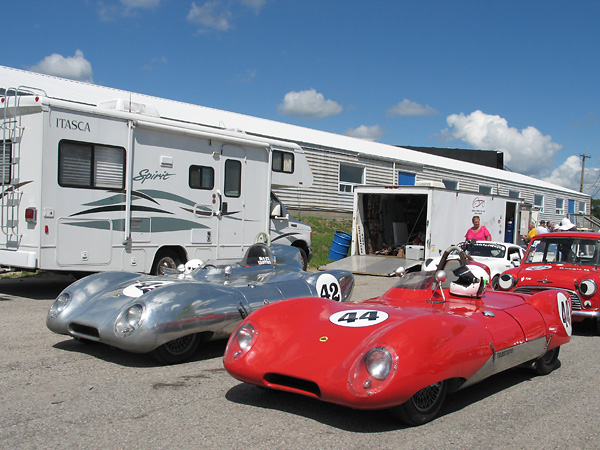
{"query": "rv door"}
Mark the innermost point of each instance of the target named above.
(243, 198)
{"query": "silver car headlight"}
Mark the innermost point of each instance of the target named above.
(129, 320)
(506, 282)
(378, 362)
(60, 304)
(588, 287)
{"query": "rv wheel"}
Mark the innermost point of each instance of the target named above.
(304, 258)
(165, 259)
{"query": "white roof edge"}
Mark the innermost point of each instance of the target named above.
(93, 94)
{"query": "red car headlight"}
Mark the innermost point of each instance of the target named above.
(506, 282)
(373, 371)
(378, 362)
(241, 341)
(587, 287)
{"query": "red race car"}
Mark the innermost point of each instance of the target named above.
(568, 261)
(428, 335)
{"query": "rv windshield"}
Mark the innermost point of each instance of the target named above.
(564, 250)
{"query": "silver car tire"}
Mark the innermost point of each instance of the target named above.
(177, 351)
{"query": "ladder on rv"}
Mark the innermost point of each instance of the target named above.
(10, 157)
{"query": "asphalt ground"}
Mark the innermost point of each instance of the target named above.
(57, 393)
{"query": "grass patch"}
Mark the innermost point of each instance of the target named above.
(322, 236)
(19, 274)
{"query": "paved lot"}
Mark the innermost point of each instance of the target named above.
(58, 393)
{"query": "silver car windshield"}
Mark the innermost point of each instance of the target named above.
(564, 250)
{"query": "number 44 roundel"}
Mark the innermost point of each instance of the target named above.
(358, 317)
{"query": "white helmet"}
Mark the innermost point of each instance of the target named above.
(471, 281)
(192, 265)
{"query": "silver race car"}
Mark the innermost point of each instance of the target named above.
(169, 315)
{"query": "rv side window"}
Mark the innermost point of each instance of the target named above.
(90, 166)
(5, 160)
(283, 162)
(233, 178)
(202, 177)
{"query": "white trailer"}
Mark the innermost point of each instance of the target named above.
(423, 221)
(114, 186)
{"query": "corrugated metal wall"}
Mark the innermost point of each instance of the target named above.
(324, 195)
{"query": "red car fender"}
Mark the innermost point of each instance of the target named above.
(428, 349)
(556, 309)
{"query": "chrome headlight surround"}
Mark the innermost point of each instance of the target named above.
(129, 320)
(61, 303)
(373, 370)
(241, 341)
(587, 287)
(506, 282)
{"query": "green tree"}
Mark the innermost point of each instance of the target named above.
(596, 207)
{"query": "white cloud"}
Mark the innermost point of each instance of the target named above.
(73, 67)
(110, 11)
(410, 108)
(208, 17)
(527, 151)
(255, 5)
(145, 4)
(308, 104)
(568, 175)
(247, 76)
(372, 133)
(155, 63)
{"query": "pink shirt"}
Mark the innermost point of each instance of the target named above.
(480, 235)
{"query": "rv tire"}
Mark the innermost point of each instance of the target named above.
(165, 259)
(304, 258)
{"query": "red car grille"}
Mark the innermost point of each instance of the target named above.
(575, 298)
(297, 384)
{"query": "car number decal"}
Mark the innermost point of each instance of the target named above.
(329, 287)
(564, 311)
(142, 287)
(357, 318)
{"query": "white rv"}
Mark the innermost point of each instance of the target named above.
(114, 186)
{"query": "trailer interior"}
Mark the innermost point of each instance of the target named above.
(394, 222)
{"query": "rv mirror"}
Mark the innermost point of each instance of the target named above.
(276, 211)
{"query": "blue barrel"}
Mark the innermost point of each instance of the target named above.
(340, 245)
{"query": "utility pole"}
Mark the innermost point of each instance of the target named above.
(582, 169)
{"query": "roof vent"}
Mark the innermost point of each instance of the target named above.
(430, 183)
(121, 104)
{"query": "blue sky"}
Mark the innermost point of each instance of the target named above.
(521, 77)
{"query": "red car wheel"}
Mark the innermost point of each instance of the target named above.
(423, 406)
